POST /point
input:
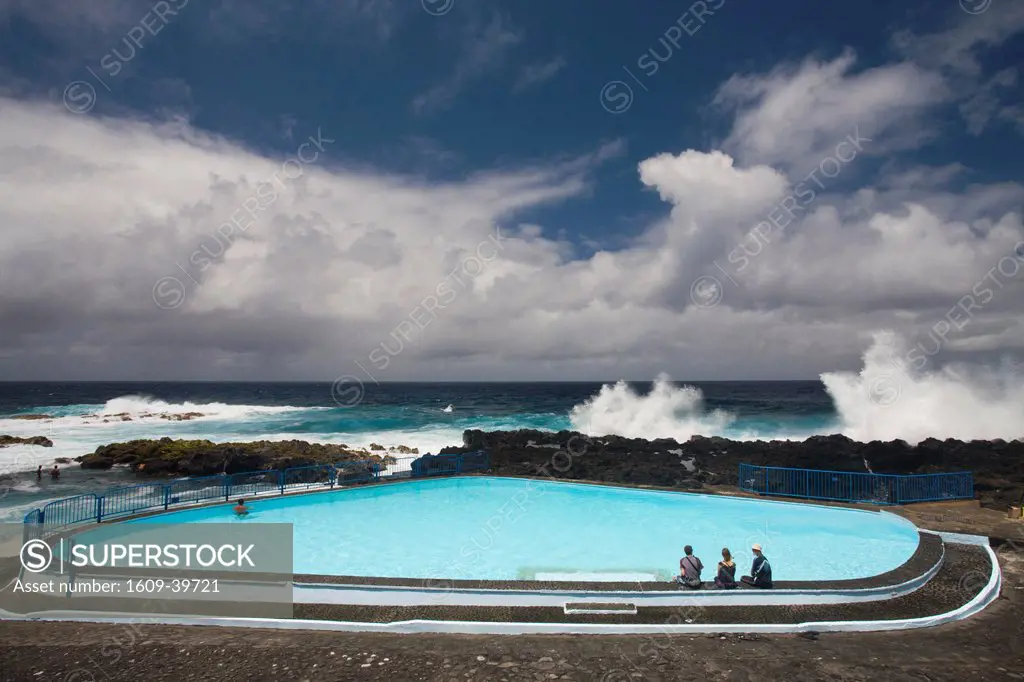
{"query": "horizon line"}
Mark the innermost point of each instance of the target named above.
(410, 381)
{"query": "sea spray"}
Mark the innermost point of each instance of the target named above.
(138, 405)
(888, 400)
(668, 411)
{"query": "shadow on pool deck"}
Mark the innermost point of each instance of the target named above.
(929, 552)
(946, 591)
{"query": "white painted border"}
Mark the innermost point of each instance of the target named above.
(985, 597)
(629, 609)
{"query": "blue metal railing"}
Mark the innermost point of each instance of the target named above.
(849, 486)
(309, 476)
(935, 487)
(251, 483)
(70, 510)
(128, 500)
(474, 461)
(359, 471)
(131, 499)
(440, 465)
(33, 526)
(436, 465)
(194, 490)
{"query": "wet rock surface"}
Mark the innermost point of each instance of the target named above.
(998, 466)
(126, 417)
(30, 440)
(167, 457)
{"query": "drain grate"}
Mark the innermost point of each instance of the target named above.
(599, 608)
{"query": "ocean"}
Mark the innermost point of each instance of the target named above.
(428, 416)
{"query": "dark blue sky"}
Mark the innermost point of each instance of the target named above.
(250, 79)
(131, 130)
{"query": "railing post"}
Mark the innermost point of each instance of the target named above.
(167, 497)
(281, 477)
(227, 487)
(99, 509)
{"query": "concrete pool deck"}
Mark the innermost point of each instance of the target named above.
(945, 593)
(947, 597)
(986, 646)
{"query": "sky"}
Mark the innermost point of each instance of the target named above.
(532, 190)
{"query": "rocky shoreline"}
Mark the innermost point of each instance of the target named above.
(998, 466)
(699, 463)
(120, 416)
(41, 441)
(168, 457)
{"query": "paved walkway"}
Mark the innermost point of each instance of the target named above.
(987, 647)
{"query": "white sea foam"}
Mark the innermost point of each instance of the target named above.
(72, 442)
(879, 402)
(144, 409)
(888, 400)
(15, 513)
(81, 429)
(668, 411)
(137, 405)
(426, 440)
(15, 458)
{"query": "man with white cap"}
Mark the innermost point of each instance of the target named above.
(760, 572)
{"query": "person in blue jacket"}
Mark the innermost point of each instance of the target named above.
(760, 571)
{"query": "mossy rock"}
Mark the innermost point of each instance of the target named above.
(169, 457)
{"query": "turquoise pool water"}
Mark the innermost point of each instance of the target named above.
(480, 528)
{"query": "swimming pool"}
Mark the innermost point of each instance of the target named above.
(491, 528)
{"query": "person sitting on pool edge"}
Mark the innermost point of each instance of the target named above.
(240, 508)
(689, 569)
(726, 578)
(760, 571)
